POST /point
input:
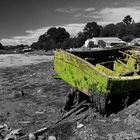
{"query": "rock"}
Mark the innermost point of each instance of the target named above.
(101, 120)
(79, 125)
(51, 138)
(32, 136)
(112, 115)
(116, 119)
(39, 91)
(39, 112)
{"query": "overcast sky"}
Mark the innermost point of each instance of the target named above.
(23, 21)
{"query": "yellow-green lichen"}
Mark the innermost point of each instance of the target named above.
(79, 73)
(90, 79)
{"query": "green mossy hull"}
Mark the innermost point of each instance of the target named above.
(87, 78)
(79, 73)
(101, 84)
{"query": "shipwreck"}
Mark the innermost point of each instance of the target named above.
(110, 77)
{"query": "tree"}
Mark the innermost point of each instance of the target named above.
(52, 39)
(128, 38)
(2, 47)
(57, 34)
(121, 29)
(92, 29)
(37, 45)
(80, 39)
(128, 20)
(49, 45)
(69, 43)
(109, 30)
(42, 38)
(136, 29)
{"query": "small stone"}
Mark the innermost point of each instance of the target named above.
(39, 91)
(101, 121)
(80, 125)
(51, 138)
(32, 136)
(116, 119)
(39, 112)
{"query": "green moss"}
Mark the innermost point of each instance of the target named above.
(121, 68)
(79, 73)
(106, 70)
(90, 79)
(131, 62)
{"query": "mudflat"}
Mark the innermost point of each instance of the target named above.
(30, 99)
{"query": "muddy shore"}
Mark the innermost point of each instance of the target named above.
(42, 101)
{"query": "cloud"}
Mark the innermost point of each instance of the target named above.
(89, 9)
(68, 10)
(33, 35)
(114, 15)
(73, 29)
(74, 10)
(109, 15)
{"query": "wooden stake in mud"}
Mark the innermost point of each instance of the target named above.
(42, 130)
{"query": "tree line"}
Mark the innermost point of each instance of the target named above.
(56, 38)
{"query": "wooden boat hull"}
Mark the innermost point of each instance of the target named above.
(95, 80)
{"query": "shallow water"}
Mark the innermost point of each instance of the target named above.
(16, 60)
